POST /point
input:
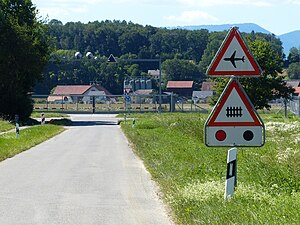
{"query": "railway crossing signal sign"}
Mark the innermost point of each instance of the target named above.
(234, 121)
(234, 58)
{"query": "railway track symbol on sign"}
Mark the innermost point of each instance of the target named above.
(234, 121)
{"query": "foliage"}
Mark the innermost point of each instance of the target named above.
(215, 41)
(294, 70)
(192, 176)
(24, 47)
(121, 37)
(178, 69)
(294, 55)
(293, 63)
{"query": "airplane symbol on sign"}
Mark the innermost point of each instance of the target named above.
(232, 59)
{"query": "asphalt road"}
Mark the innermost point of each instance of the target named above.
(87, 175)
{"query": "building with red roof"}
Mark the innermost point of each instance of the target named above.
(182, 88)
(78, 93)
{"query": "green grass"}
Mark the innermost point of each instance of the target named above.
(5, 125)
(10, 145)
(49, 115)
(192, 176)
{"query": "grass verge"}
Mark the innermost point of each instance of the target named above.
(49, 115)
(5, 125)
(192, 176)
(10, 145)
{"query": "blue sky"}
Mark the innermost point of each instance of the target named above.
(277, 16)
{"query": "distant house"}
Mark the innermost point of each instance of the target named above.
(143, 96)
(293, 83)
(144, 92)
(202, 95)
(78, 93)
(207, 86)
(182, 88)
(296, 85)
(154, 74)
(297, 91)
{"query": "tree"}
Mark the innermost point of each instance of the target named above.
(294, 70)
(24, 50)
(178, 69)
(55, 22)
(215, 40)
(294, 55)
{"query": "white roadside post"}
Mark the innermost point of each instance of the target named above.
(231, 175)
(42, 118)
(17, 126)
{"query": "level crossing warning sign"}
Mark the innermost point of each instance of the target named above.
(234, 58)
(234, 121)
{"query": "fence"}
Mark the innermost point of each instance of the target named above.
(294, 105)
(114, 104)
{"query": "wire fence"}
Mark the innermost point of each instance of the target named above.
(294, 105)
(115, 104)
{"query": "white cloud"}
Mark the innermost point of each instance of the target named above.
(72, 2)
(295, 2)
(53, 12)
(206, 3)
(192, 17)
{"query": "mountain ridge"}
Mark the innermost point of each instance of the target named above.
(289, 40)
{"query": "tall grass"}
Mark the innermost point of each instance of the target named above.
(48, 114)
(10, 145)
(192, 176)
(5, 125)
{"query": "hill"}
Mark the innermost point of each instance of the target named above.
(289, 40)
(243, 27)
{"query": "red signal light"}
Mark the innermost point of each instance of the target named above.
(220, 135)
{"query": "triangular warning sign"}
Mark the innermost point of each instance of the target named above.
(111, 59)
(234, 58)
(234, 108)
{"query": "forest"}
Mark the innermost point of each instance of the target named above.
(185, 54)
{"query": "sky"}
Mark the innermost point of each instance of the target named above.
(276, 16)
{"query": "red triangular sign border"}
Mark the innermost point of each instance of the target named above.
(219, 56)
(234, 85)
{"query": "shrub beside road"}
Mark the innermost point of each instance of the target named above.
(192, 176)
